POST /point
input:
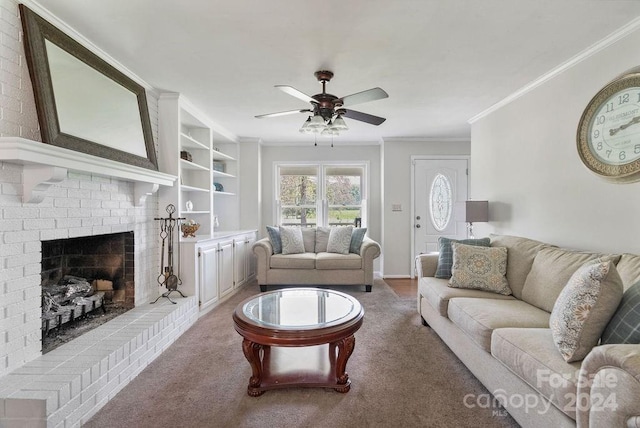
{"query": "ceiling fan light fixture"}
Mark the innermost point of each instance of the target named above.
(316, 123)
(305, 126)
(339, 124)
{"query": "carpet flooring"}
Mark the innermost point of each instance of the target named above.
(402, 374)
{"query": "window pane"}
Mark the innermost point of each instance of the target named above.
(343, 215)
(298, 216)
(298, 189)
(440, 202)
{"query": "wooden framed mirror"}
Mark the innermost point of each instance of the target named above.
(84, 103)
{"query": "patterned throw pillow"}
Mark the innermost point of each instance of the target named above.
(274, 238)
(479, 268)
(624, 326)
(292, 241)
(357, 236)
(583, 309)
(445, 258)
(339, 240)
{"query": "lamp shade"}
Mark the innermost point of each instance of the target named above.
(477, 211)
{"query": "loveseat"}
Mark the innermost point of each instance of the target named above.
(504, 337)
(315, 262)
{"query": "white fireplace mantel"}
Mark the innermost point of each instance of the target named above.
(45, 165)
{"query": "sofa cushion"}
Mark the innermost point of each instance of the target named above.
(339, 239)
(292, 242)
(357, 236)
(479, 268)
(520, 255)
(338, 261)
(445, 255)
(584, 308)
(624, 326)
(479, 317)
(293, 261)
(550, 272)
(438, 293)
(274, 238)
(629, 269)
(322, 239)
(531, 355)
(309, 239)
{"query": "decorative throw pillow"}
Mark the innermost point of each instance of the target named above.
(292, 242)
(583, 309)
(274, 238)
(339, 240)
(357, 236)
(445, 258)
(479, 268)
(322, 239)
(624, 326)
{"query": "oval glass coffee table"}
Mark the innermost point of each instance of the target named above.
(298, 337)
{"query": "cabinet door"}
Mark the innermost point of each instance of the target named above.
(240, 257)
(225, 267)
(251, 258)
(208, 260)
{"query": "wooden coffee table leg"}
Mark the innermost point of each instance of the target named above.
(345, 349)
(252, 353)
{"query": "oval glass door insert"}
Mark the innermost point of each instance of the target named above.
(440, 202)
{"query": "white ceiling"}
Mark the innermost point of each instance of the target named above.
(441, 61)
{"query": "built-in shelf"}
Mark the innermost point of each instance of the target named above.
(196, 212)
(224, 193)
(222, 174)
(216, 155)
(194, 189)
(46, 165)
(190, 165)
(189, 143)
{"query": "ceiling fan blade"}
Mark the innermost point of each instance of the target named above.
(364, 96)
(363, 117)
(284, 113)
(296, 93)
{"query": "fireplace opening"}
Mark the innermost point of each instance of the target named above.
(86, 282)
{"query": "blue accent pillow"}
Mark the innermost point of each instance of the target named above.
(624, 326)
(276, 240)
(445, 258)
(357, 236)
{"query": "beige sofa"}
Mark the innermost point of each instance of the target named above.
(505, 341)
(311, 268)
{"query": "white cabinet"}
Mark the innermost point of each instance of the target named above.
(208, 279)
(240, 250)
(225, 267)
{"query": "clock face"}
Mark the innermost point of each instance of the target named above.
(609, 131)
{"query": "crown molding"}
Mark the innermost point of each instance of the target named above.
(617, 35)
(427, 140)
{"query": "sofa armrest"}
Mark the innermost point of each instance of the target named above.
(609, 387)
(263, 251)
(369, 251)
(426, 264)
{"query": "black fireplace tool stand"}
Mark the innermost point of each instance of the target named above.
(169, 277)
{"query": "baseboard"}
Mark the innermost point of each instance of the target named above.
(396, 277)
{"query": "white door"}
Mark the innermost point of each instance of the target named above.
(440, 192)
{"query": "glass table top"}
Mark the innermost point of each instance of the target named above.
(300, 308)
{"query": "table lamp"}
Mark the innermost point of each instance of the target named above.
(476, 211)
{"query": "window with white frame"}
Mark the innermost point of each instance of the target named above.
(322, 194)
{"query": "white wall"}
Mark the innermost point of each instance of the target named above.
(398, 225)
(250, 184)
(525, 162)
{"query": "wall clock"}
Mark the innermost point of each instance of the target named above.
(609, 130)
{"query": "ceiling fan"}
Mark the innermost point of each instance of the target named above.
(327, 110)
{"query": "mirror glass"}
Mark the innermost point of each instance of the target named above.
(109, 116)
(83, 102)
